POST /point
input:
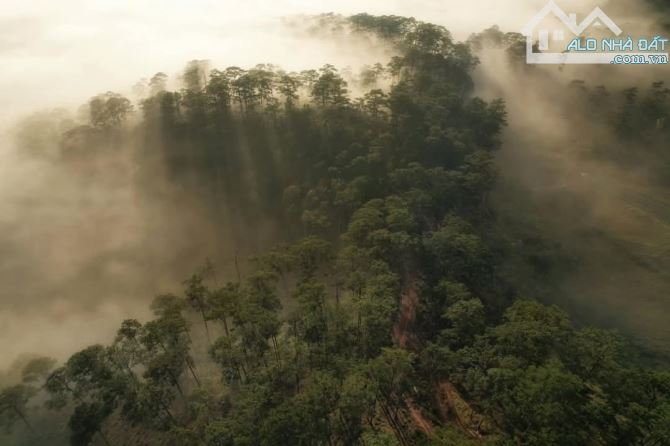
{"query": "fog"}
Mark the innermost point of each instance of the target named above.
(80, 249)
(557, 170)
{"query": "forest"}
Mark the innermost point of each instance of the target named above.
(385, 310)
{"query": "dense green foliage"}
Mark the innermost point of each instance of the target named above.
(382, 319)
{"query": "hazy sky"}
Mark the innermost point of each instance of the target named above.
(60, 53)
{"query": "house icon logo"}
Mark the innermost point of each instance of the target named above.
(537, 31)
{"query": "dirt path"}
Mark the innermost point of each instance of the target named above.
(419, 420)
(404, 338)
(402, 329)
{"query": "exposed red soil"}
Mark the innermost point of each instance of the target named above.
(402, 329)
(450, 404)
(419, 420)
